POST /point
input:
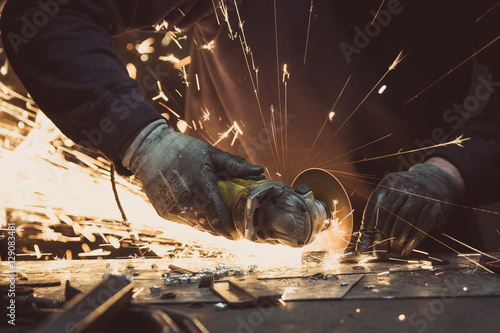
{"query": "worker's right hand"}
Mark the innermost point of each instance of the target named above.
(179, 175)
(405, 207)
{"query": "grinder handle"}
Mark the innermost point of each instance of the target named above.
(232, 189)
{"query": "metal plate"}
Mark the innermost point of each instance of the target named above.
(448, 284)
(321, 289)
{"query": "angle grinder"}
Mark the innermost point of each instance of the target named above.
(314, 207)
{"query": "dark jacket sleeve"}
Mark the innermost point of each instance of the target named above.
(61, 50)
(479, 158)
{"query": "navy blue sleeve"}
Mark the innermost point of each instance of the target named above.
(61, 51)
(479, 159)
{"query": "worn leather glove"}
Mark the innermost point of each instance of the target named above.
(179, 175)
(404, 204)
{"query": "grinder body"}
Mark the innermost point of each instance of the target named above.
(265, 211)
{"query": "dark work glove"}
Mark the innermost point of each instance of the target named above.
(422, 198)
(179, 175)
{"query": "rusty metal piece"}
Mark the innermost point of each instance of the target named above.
(35, 283)
(180, 270)
(233, 298)
(104, 301)
(317, 276)
(168, 296)
(205, 282)
(255, 289)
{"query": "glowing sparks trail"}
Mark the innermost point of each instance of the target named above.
(170, 109)
(225, 14)
(393, 66)
(161, 26)
(309, 30)
(145, 46)
(176, 35)
(326, 120)
(361, 147)
(286, 77)
(277, 65)
(458, 141)
(205, 113)
(416, 195)
(453, 69)
(170, 58)
(472, 248)
(273, 127)
(235, 129)
(256, 93)
(216, 14)
(378, 11)
(161, 94)
(209, 46)
(487, 12)
(197, 82)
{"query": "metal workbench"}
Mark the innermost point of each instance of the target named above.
(452, 294)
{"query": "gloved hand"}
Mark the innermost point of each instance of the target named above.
(404, 203)
(179, 175)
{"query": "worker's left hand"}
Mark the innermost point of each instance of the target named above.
(179, 175)
(405, 207)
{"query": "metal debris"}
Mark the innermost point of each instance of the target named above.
(220, 306)
(167, 296)
(155, 289)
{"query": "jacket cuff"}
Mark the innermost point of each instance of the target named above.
(120, 117)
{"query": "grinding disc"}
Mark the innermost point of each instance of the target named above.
(328, 189)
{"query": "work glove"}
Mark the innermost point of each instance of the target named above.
(405, 207)
(179, 175)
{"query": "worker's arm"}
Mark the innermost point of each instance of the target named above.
(61, 51)
(408, 205)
